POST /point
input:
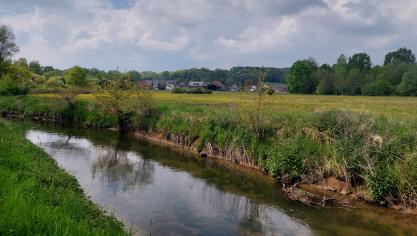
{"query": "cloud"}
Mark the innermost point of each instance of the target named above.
(173, 34)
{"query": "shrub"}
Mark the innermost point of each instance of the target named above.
(12, 85)
(288, 158)
(191, 91)
(406, 178)
(381, 183)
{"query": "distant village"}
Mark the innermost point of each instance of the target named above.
(213, 86)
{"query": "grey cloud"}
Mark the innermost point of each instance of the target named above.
(168, 34)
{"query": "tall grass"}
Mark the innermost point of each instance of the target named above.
(367, 142)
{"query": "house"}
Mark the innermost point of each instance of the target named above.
(279, 87)
(215, 85)
(152, 84)
(252, 88)
(182, 85)
(234, 88)
(197, 84)
(171, 85)
(145, 84)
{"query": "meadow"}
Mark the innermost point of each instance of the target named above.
(369, 143)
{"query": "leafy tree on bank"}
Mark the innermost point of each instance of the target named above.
(76, 76)
(8, 47)
(301, 77)
(125, 99)
(404, 55)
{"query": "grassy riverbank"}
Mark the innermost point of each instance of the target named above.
(367, 143)
(39, 198)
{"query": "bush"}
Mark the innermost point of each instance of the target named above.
(406, 178)
(288, 158)
(11, 85)
(381, 183)
(380, 88)
(191, 91)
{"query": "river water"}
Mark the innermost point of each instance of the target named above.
(157, 191)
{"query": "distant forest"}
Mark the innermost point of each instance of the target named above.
(354, 75)
(236, 75)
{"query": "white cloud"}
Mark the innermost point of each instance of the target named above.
(168, 34)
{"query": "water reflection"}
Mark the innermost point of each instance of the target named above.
(158, 191)
(122, 169)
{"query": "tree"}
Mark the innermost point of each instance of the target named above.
(35, 67)
(255, 104)
(378, 88)
(404, 55)
(361, 61)
(76, 76)
(134, 75)
(124, 101)
(16, 81)
(21, 62)
(7, 45)
(327, 82)
(301, 77)
(340, 70)
(393, 72)
(408, 85)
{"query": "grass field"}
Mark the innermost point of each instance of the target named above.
(39, 198)
(401, 108)
(369, 142)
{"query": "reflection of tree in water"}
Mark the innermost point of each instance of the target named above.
(121, 172)
(250, 223)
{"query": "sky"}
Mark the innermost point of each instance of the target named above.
(163, 35)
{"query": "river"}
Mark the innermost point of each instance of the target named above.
(157, 191)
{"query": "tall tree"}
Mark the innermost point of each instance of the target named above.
(408, 85)
(8, 46)
(401, 55)
(35, 67)
(76, 76)
(301, 77)
(361, 61)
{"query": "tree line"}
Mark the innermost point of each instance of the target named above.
(356, 75)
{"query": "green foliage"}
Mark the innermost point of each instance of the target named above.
(13, 85)
(327, 82)
(288, 157)
(35, 67)
(191, 91)
(408, 85)
(361, 61)
(7, 42)
(404, 55)
(406, 178)
(270, 91)
(381, 183)
(301, 77)
(76, 76)
(379, 88)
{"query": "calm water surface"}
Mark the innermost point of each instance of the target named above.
(156, 191)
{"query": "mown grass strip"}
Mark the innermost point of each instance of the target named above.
(39, 198)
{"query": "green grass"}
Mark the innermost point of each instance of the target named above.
(306, 137)
(39, 198)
